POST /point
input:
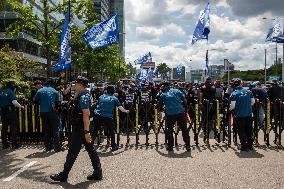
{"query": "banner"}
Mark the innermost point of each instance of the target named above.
(202, 28)
(179, 70)
(144, 59)
(275, 33)
(102, 34)
(64, 59)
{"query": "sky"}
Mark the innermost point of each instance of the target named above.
(238, 32)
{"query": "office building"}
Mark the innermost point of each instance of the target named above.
(117, 7)
(25, 44)
(102, 9)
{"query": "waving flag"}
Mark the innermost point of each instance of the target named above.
(64, 59)
(144, 59)
(102, 34)
(206, 64)
(202, 28)
(275, 33)
(179, 70)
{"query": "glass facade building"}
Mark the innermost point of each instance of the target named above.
(107, 8)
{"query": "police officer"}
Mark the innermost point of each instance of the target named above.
(145, 99)
(103, 115)
(36, 87)
(81, 134)
(241, 102)
(8, 103)
(48, 99)
(131, 99)
(174, 102)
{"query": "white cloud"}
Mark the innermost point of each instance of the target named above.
(164, 29)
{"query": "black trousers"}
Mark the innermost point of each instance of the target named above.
(245, 131)
(51, 124)
(9, 118)
(75, 145)
(107, 123)
(181, 121)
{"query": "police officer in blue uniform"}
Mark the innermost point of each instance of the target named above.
(174, 103)
(81, 134)
(8, 104)
(103, 115)
(48, 100)
(241, 102)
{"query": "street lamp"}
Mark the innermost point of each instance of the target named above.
(265, 65)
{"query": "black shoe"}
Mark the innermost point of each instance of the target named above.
(98, 175)
(244, 148)
(114, 148)
(187, 147)
(170, 149)
(60, 149)
(48, 149)
(17, 146)
(59, 177)
(250, 148)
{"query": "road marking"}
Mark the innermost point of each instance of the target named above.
(19, 171)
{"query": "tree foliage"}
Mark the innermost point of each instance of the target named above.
(103, 62)
(163, 69)
(256, 75)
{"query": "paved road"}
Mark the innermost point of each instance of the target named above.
(152, 167)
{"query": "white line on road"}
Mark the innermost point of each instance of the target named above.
(19, 171)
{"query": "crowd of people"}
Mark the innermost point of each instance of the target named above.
(175, 99)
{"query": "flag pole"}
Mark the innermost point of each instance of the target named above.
(70, 69)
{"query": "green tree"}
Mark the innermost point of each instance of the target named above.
(100, 63)
(163, 69)
(43, 26)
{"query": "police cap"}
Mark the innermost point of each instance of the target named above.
(82, 80)
(237, 82)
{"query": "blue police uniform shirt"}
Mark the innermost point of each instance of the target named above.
(84, 101)
(107, 103)
(242, 97)
(173, 100)
(47, 97)
(6, 97)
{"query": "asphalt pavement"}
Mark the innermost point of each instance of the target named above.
(214, 166)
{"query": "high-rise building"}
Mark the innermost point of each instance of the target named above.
(25, 44)
(102, 9)
(117, 7)
(107, 8)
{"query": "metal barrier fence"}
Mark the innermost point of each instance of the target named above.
(206, 117)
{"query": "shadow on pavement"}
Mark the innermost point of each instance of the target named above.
(249, 154)
(81, 185)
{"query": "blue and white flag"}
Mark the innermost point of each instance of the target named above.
(275, 33)
(179, 70)
(144, 59)
(143, 74)
(64, 59)
(206, 64)
(202, 28)
(102, 34)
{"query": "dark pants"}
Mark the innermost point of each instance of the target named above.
(9, 118)
(245, 131)
(51, 124)
(107, 123)
(181, 121)
(77, 139)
